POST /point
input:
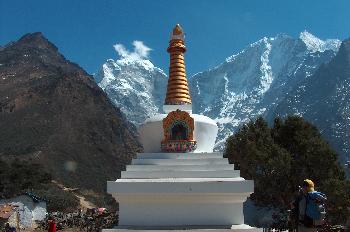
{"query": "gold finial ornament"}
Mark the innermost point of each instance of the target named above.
(177, 30)
(177, 90)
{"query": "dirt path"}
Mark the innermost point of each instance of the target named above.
(84, 204)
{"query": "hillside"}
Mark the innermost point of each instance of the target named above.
(54, 114)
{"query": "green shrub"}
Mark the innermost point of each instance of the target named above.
(18, 177)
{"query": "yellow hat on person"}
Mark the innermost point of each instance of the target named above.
(309, 184)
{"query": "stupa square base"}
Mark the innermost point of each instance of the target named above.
(229, 228)
(180, 201)
(180, 214)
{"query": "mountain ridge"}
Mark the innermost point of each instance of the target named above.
(141, 90)
(323, 99)
(53, 113)
(251, 82)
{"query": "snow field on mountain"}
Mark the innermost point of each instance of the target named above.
(250, 83)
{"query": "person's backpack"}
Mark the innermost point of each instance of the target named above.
(315, 207)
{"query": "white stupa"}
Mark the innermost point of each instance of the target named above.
(179, 183)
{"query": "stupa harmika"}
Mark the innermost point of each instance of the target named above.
(179, 183)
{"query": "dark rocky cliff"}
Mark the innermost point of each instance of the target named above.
(52, 112)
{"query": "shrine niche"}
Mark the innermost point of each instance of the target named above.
(178, 129)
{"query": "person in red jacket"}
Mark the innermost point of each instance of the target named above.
(52, 224)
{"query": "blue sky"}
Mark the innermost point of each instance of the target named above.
(85, 31)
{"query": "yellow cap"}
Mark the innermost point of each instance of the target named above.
(309, 184)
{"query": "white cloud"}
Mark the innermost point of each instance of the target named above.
(141, 49)
(140, 52)
(120, 49)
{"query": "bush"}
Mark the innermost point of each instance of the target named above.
(18, 177)
(58, 199)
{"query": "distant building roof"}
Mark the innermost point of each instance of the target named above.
(35, 198)
(7, 210)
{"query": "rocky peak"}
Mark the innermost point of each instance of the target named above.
(35, 40)
(315, 44)
(139, 80)
(34, 49)
(343, 55)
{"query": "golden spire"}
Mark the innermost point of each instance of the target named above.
(177, 91)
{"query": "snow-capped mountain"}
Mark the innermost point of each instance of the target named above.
(255, 81)
(314, 44)
(136, 86)
(324, 99)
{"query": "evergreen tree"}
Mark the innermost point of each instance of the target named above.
(253, 150)
(281, 157)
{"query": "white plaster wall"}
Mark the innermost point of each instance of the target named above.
(179, 168)
(175, 214)
(13, 219)
(182, 174)
(174, 155)
(151, 133)
(205, 132)
(180, 201)
(39, 212)
(232, 228)
(168, 186)
(168, 108)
